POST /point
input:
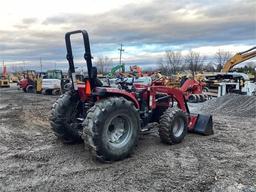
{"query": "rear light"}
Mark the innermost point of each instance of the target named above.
(87, 88)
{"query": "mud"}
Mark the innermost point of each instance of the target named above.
(33, 160)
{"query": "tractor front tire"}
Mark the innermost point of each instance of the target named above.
(30, 89)
(173, 126)
(111, 129)
(63, 118)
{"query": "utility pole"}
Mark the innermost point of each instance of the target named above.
(121, 50)
(41, 65)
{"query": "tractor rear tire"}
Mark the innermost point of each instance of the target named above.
(63, 118)
(173, 126)
(111, 129)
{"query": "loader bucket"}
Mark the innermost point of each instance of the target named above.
(204, 125)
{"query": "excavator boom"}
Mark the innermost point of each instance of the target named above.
(115, 69)
(239, 58)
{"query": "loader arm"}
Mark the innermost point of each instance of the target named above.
(239, 58)
(197, 123)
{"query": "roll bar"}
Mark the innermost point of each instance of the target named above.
(87, 54)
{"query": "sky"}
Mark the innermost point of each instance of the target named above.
(30, 30)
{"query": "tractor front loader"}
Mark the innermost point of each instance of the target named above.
(109, 120)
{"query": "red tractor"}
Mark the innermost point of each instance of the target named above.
(194, 90)
(109, 120)
(30, 82)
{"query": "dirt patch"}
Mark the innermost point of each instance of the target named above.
(33, 160)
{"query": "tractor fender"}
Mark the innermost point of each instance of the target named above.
(110, 92)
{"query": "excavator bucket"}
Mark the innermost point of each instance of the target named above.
(203, 125)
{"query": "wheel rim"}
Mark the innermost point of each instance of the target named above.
(119, 130)
(178, 127)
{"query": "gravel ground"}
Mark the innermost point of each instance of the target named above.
(33, 160)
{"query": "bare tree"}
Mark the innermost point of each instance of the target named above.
(161, 66)
(103, 64)
(221, 57)
(172, 62)
(209, 67)
(251, 64)
(194, 62)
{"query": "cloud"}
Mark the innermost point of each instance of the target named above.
(29, 20)
(167, 22)
(148, 28)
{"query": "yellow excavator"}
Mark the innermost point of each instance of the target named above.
(239, 58)
(239, 82)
